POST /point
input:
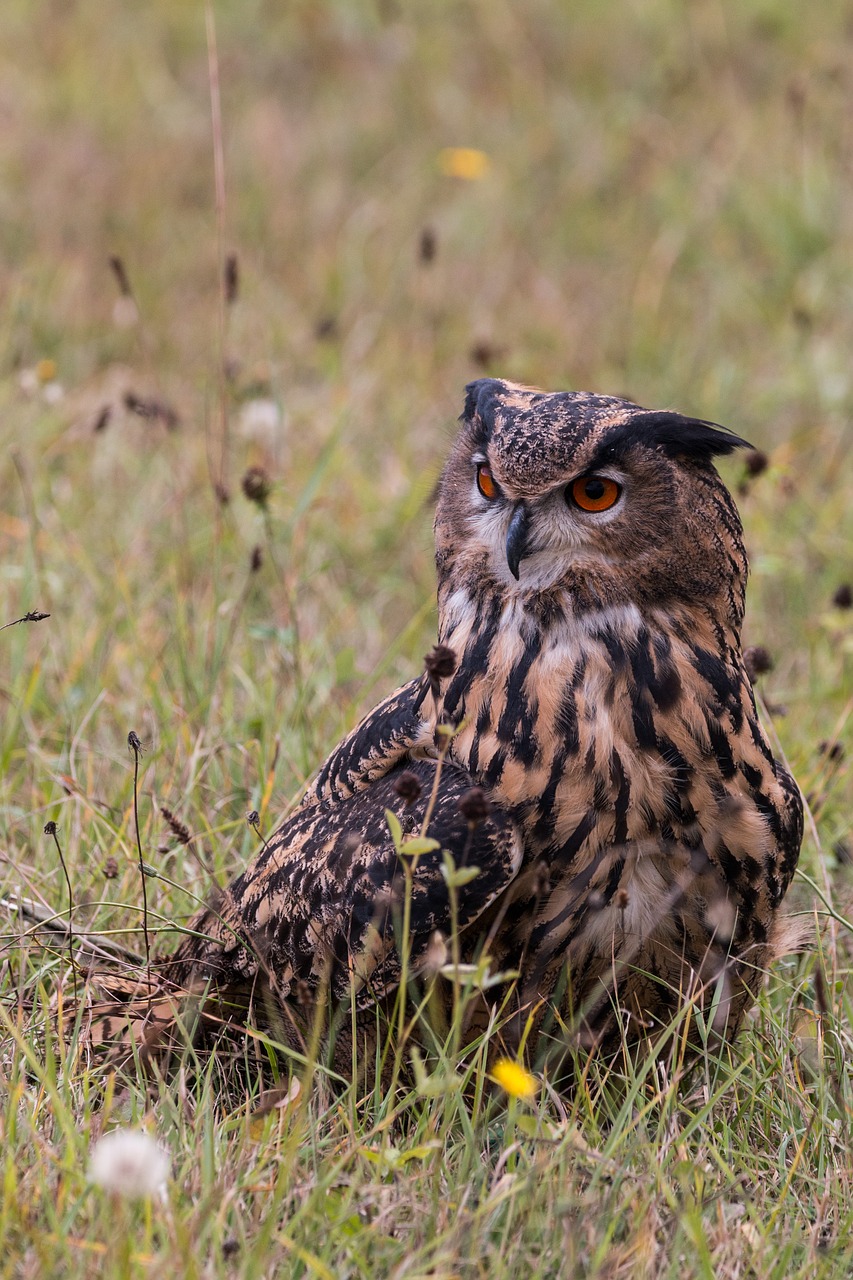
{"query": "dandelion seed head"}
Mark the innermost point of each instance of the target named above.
(52, 392)
(261, 420)
(129, 1163)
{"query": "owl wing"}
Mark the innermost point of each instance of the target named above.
(379, 743)
(324, 900)
(790, 832)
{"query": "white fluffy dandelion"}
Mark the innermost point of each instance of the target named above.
(129, 1163)
(261, 420)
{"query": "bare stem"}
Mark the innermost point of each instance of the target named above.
(219, 189)
(136, 747)
(50, 830)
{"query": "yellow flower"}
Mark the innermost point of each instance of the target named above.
(46, 370)
(515, 1080)
(463, 162)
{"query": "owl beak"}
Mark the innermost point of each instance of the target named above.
(516, 538)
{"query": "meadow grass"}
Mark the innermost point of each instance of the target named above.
(662, 212)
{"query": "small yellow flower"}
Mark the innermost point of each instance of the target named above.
(464, 162)
(46, 370)
(515, 1080)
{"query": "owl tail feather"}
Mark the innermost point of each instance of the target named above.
(131, 1018)
(118, 1011)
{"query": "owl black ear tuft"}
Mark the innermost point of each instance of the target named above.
(480, 399)
(689, 437)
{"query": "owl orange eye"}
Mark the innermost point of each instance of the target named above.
(485, 483)
(594, 493)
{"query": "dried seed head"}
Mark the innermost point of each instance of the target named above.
(34, 615)
(134, 743)
(757, 661)
(408, 787)
(474, 806)
(178, 828)
(428, 245)
(103, 419)
(232, 279)
(326, 328)
(484, 354)
(153, 409)
(756, 462)
(256, 559)
(843, 598)
(832, 750)
(439, 664)
(253, 818)
(111, 869)
(118, 269)
(622, 899)
(50, 828)
(257, 486)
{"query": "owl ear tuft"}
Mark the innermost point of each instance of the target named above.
(480, 397)
(690, 437)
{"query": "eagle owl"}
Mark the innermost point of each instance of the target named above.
(584, 744)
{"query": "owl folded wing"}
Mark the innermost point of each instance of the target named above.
(341, 888)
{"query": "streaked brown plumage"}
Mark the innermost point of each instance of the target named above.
(641, 836)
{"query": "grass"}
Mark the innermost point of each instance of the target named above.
(664, 214)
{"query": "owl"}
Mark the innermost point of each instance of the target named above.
(582, 793)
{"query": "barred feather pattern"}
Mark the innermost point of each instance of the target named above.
(660, 834)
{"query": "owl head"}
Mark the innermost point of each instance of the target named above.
(589, 495)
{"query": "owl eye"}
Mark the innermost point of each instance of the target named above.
(485, 483)
(594, 493)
